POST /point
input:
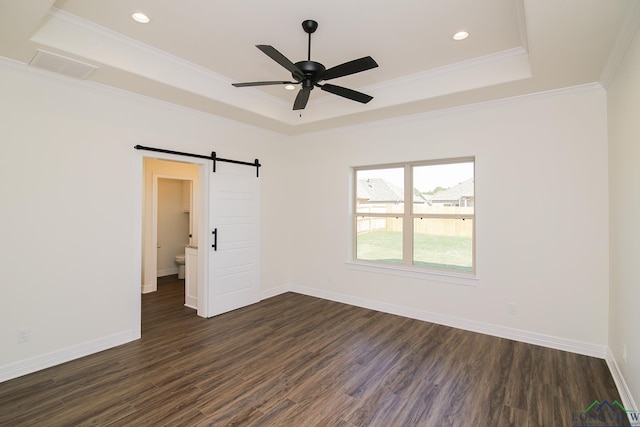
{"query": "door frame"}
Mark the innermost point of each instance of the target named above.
(203, 227)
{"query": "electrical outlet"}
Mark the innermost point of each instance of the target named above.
(512, 308)
(24, 335)
(624, 353)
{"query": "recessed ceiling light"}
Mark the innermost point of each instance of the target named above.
(140, 17)
(460, 35)
(289, 87)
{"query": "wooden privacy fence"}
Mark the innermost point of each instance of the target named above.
(433, 226)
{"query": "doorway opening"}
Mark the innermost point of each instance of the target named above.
(170, 218)
(192, 177)
(174, 234)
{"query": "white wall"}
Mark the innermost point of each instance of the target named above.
(624, 196)
(67, 213)
(542, 215)
(67, 179)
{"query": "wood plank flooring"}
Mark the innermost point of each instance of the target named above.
(295, 360)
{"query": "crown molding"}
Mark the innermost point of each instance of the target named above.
(623, 41)
(69, 33)
(122, 40)
(428, 115)
(131, 96)
(522, 24)
(517, 53)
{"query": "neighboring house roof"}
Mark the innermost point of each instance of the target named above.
(377, 190)
(464, 189)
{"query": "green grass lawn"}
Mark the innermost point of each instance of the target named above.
(448, 252)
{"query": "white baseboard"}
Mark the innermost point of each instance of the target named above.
(550, 341)
(27, 366)
(621, 384)
(149, 288)
(191, 302)
(34, 364)
(167, 272)
(272, 292)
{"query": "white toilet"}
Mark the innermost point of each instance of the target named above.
(180, 262)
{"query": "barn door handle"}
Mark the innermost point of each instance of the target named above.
(215, 239)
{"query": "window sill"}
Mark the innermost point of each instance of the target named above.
(415, 273)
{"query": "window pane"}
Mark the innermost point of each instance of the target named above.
(444, 189)
(380, 190)
(443, 243)
(379, 239)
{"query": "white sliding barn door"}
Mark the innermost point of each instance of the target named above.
(234, 214)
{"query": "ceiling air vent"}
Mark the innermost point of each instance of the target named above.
(62, 65)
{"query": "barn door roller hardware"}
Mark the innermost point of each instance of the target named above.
(213, 157)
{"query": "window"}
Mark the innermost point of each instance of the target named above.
(419, 215)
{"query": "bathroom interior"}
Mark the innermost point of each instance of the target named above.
(174, 206)
(174, 238)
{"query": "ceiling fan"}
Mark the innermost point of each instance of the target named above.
(309, 73)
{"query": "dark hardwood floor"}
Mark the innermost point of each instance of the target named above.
(295, 360)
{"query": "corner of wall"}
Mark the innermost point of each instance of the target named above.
(621, 384)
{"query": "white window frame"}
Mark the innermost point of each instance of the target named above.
(407, 268)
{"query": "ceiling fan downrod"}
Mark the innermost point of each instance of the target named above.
(309, 26)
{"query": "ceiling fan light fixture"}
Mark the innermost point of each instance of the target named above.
(460, 35)
(140, 17)
(289, 87)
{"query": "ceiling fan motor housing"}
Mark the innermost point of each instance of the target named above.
(311, 69)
